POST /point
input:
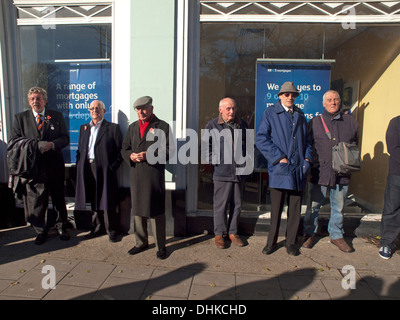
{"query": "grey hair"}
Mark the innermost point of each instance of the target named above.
(225, 99)
(330, 91)
(38, 90)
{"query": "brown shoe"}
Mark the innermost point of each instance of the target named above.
(220, 242)
(236, 240)
(308, 242)
(342, 245)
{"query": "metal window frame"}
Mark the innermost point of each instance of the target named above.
(268, 13)
(50, 18)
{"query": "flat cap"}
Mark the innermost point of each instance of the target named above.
(142, 101)
(288, 86)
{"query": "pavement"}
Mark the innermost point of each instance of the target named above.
(195, 269)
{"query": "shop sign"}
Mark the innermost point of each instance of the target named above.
(71, 89)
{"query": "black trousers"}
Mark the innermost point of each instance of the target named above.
(102, 220)
(36, 203)
(278, 197)
(390, 223)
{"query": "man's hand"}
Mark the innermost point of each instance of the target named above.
(45, 146)
(138, 157)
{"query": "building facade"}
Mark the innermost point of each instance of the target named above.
(187, 55)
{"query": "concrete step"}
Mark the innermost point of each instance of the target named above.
(356, 223)
(258, 223)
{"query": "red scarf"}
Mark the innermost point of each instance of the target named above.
(143, 126)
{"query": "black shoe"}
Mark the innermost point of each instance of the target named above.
(90, 235)
(162, 254)
(63, 234)
(113, 237)
(269, 249)
(93, 234)
(292, 250)
(136, 250)
(41, 238)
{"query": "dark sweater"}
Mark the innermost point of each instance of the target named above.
(343, 127)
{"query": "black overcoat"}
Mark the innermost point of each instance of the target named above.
(107, 150)
(50, 164)
(147, 181)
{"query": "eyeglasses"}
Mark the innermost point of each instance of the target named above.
(333, 99)
(35, 98)
(95, 109)
(288, 94)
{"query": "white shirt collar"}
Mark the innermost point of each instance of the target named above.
(98, 123)
(286, 108)
(41, 113)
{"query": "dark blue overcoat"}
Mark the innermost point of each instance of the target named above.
(279, 136)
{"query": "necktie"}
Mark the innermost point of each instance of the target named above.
(39, 123)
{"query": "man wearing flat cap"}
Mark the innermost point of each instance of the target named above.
(147, 178)
(283, 140)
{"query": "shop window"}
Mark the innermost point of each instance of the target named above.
(41, 47)
(66, 49)
(228, 55)
(73, 63)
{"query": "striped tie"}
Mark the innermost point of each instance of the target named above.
(39, 123)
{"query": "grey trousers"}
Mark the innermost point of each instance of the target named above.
(157, 227)
(226, 194)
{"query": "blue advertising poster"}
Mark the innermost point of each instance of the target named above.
(310, 78)
(71, 89)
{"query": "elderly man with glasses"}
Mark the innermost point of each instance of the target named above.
(97, 159)
(282, 139)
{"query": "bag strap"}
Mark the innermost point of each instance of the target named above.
(326, 128)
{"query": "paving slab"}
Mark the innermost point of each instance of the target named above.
(195, 269)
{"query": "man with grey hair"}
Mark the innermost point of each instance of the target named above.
(228, 184)
(97, 160)
(48, 128)
(324, 180)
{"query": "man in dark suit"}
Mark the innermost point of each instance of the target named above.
(48, 127)
(147, 175)
(97, 159)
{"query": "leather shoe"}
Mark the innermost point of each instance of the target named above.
(220, 242)
(136, 250)
(92, 235)
(161, 254)
(308, 242)
(236, 240)
(269, 249)
(292, 250)
(41, 238)
(342, 245)
(113, 237)
(63, 234)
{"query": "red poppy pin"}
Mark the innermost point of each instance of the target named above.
(48, 118)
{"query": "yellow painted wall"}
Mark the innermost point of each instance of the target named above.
(380, 106)
(373, 59)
